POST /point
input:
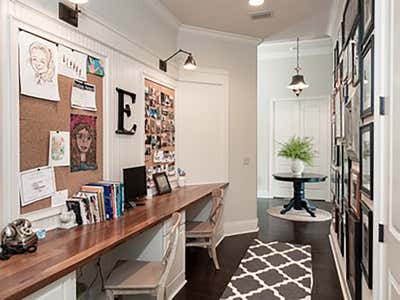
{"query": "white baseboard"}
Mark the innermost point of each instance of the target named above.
(240, 227)
(340, 266)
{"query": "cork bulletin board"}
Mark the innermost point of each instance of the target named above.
(38, 117)
(159, 130)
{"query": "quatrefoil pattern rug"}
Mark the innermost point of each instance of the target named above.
(272, 271)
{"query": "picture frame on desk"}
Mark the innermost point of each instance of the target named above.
(367, 245)
(367, 80)
(162, 183)
(367, 160)
(353, 255)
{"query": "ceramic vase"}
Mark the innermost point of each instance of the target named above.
(297, 167)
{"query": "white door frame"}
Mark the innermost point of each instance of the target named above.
(272, 136)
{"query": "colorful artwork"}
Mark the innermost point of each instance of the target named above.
(38, 67)
(95, 66)
(72, 63)
(59, 149)
(83, 143)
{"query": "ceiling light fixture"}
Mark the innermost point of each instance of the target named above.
(256, 2)
(190, 63)
(69, 14)
(298, 84)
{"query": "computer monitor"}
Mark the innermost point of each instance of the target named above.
(135, 185)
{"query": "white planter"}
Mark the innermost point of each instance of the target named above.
(297, 167)
(181, 181)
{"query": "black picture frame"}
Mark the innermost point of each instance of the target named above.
(350, 18)
(162, 183)
(353, 255)
(355, 53)
(355, 195)
(341, 233)
(367, 160)
(367, 84)
(368, 18)
(367, 243)
(353, 114)
(346, 172)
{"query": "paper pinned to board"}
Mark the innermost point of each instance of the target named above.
(83, 96)
(59, 148)
(36, 184)
(72, 63)
(59, 198)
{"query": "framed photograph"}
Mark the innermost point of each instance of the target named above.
(367, 86)
(333, 180)
(355, 54)
(368, 10)
(367, 160)
(349, 18)
(341, 233)
(162, 183)
(366, 238)
(346, 169)
(355, 195)
(337, 217)
(353, 113)
(348, 126)
(353, 254)
(346, 64)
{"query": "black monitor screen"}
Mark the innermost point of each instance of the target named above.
(135, 183)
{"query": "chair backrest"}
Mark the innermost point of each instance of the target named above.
(172, 238)
(217, 209)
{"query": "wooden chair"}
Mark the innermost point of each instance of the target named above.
(203, 234)
(139, 277)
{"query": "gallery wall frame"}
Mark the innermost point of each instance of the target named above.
(346, 171)
(368, 18)
(353, 255)
(367, 80)
(355, 195)
(350, 19)
(355, 54)
(367, 243)
(367, 160)
(341, 234)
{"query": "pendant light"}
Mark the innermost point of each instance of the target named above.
(298, 84)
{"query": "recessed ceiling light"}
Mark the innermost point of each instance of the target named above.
(256, 2)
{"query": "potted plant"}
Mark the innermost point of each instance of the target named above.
(300, 151)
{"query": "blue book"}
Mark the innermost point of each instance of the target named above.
(117, 197)
(108, 190)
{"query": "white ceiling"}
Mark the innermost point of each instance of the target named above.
(291, 18)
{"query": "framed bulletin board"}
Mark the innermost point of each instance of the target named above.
(159, 130)
(38, 117)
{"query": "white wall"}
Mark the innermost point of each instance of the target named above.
(236, 55)
(275, 68)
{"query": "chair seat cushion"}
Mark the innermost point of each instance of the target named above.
(198, 228)
(135, 275)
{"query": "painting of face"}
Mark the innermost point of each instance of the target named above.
(83, 143)
(42, 62)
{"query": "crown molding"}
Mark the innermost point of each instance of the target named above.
(220, 34)
(286, 49)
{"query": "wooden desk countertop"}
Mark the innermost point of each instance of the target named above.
(62, 251)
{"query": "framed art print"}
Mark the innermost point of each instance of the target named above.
(162, 183)
(367, 160)
(349, 19)
(341, 233)
(353, 253)
(355, 196)
(367, 82)
(368, 10)
(366, 238)
(355, 55)
(354, 139)
(346, 177)
(348, 125)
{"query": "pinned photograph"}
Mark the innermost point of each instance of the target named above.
(72, 63)
(38, 67)
(59, 149)
(95, 66)
(83, 143)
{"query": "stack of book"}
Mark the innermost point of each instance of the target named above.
(98, 202)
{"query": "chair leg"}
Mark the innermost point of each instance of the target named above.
(109, 295)
(214, 254)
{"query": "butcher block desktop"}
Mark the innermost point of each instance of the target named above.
(63, 251)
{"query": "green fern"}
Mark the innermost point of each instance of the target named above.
(298, 148)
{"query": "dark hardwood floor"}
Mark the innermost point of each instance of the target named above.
(206, 283)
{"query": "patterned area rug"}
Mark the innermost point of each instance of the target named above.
(272, 271)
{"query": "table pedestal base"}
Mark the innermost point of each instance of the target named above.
(299, 201)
